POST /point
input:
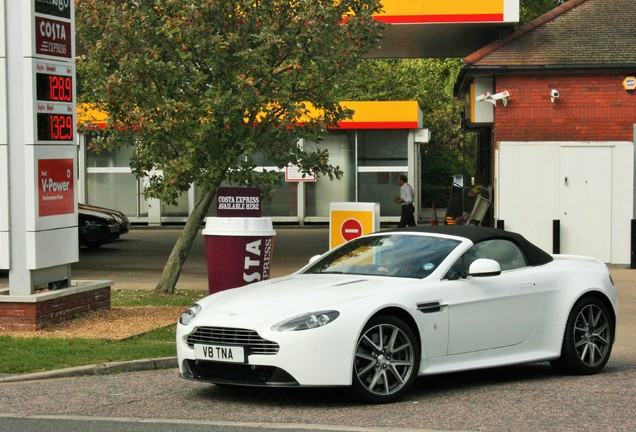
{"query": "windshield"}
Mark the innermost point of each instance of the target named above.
(398, 255)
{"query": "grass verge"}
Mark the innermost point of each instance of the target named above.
(27, 355)
(151, 298)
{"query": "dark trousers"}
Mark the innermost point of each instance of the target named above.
(407, 217)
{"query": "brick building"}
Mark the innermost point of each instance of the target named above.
(554, 108)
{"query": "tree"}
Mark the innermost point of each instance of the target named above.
(201, 86)
(531, 9)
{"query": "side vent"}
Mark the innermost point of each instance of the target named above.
(429, 307)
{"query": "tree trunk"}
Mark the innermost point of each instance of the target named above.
(172, 270)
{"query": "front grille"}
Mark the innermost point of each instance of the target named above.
(248, 339)
(238, 374)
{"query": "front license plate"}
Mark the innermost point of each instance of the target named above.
(232, 354)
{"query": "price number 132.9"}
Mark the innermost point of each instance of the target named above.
(55, 127)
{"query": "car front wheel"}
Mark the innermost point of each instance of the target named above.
(386, 360)
(588, 339)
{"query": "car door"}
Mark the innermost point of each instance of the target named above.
(487, 312)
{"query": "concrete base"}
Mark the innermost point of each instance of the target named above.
(37, 311)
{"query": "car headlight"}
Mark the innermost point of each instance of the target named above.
(307, 321)
(189, 315)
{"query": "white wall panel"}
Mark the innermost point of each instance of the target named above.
(52, 248)
(530, 194)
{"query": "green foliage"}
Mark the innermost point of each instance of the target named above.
(201, 86)
(531, 9)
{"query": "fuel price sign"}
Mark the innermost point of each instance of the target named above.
(54, 88)
(55, 127)
(54, 101)
(53, 81)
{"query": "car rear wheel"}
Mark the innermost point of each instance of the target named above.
(386, 360)
(93, 245)
(588, 339)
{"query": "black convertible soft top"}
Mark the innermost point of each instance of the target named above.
(534, 255)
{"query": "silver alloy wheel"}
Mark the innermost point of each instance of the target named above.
(592, 335)
(385, 359)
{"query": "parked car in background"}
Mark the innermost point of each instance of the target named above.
(99, 225)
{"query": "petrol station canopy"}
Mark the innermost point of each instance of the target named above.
(443, 28)
(439, 28)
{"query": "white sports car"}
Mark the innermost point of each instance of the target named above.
(381, 310)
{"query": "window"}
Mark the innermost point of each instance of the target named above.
(380, 187)
(383, 147)
(398, 255)
(505, 252)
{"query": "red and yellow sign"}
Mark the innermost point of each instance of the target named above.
(383, 115)
(441, 11)
(349, 220)
(348, 225)
(379, 115)
(367, 115)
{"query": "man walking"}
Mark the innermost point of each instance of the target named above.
(406, 201)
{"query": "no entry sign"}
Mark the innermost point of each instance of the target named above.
(350, 229)
(350, 220)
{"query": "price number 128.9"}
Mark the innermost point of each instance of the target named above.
(54, 88)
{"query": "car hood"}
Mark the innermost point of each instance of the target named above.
(94, 214)
(282, 298)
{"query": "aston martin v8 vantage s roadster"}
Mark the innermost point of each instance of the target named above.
(383, 309)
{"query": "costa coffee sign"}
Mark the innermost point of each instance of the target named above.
(58, 8)
(53, 37)
(238, 202)
(258, 256)
(55, 187)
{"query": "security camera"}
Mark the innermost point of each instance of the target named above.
(554, 95)
(482, 97)
(502, 96)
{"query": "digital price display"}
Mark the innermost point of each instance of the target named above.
(54, 101)
(55, 127)
(54, 88)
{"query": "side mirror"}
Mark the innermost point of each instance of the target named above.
(314, 258)
(484, 267)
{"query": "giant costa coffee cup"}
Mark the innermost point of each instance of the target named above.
(238, 251)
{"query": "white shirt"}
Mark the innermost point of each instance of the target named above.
(406, 194)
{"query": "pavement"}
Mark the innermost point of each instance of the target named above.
(136, 262)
